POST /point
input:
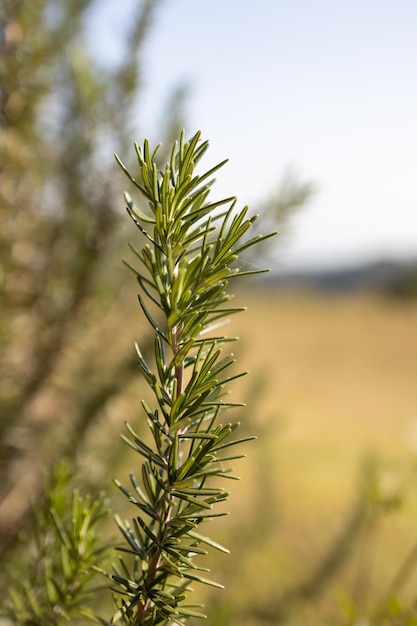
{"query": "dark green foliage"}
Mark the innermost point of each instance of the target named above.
(184, 271)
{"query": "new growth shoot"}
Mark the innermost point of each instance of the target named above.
(184, 269)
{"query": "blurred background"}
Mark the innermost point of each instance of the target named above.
(314, 104)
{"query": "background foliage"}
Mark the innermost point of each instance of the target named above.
(60, 238)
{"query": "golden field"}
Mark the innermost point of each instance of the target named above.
(333, 382)
(339, 374)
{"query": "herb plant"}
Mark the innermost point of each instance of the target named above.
(55, 578)
(190, 255)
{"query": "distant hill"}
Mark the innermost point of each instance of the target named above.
(393, 278)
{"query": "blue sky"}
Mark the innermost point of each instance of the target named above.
(327, 87)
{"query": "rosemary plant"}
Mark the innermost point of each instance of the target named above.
(55, 580)
(184, 269)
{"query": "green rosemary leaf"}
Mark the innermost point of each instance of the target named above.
(147, 181)
(201, 149)
(254, 241)
(133, 180)
(208, 541)
(173, 459)
(179, 558)
(240, 273)
(224, 381)
(132, 538)
(202, 491)
(182, 495)
(150, 319)
(62, 533)
(233, 443)
(211, 171)
(148, 483)
(202, 580)
(134, 211)
(187, 164)
(144, 450)
(147, 530)
(153, 417)
(136, 487)
(33, 601)
(198, 435)
(202, 516)
(186, 612)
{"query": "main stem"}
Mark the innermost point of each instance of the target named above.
(144, 607)
(179, 371)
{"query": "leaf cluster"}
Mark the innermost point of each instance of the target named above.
(56, 581)
(189, 258)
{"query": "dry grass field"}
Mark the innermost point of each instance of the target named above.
(339, 374)
(333, 382)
